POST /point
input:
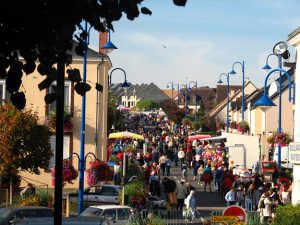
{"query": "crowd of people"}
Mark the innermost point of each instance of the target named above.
(203, 162)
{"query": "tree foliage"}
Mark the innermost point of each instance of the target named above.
(114, 116)
(44, 30)
(147, 104)
(175, 113)
(24, 144)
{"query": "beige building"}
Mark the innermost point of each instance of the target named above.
(98, 66)
(264, 122)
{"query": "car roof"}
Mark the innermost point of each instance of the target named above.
(106, 185)
(110, 207)
(27, 207)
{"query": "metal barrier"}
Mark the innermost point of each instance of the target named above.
(170, 217)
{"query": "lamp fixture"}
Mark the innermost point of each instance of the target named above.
(109, 46)
(232, 72)
(281, 48)
(266, 67)
(220, 82)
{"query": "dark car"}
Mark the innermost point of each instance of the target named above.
(11, 215)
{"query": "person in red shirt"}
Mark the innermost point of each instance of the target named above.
(120, 155)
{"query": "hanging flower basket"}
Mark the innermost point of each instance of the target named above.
(99, 171)
(69, 172)
(281, 139)
(243, 127)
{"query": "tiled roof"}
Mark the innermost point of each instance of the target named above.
(222, 91)
(91, 54)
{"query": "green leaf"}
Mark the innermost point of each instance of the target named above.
(44, 68)
(74, 75)
(18, 100)
(49, 98)
(13, 83)
(99, 87)
(45, 84)
(29, 67)
(81, 88)
(146, 11)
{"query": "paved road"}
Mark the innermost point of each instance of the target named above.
(206, 201)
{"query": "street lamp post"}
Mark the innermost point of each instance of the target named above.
(227, 108)
(185, 98)
(195, 84)
(243, 84)
(125, 84)
(172, 88)
(265, 100)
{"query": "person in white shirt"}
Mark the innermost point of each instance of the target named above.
(117, 169)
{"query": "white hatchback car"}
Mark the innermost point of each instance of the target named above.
(104, 194)
(114, 214)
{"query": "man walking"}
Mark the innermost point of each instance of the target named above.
(181, 193)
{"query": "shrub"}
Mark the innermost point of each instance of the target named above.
(287, 215)
(136, 193)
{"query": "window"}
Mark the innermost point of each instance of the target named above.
(109, 191)
(66, 153)
(110, 214)
(67, 99)
(123, 214)
(2, 91)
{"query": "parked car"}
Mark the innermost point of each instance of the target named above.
(114, 214)
(104, 194)
(65, 221)
(11, 215)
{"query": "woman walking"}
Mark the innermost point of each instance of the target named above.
(207, 178)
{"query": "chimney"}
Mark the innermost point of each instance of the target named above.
(103, 38)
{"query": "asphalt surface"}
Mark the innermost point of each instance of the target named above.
(206, 202)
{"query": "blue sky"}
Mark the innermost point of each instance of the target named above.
(202, 40)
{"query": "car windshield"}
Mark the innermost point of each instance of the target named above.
(91, 212)
(4, 212)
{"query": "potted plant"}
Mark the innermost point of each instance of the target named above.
(51, 119)
(281, 139)
(99, 171)
(69, 172)
(243, 127)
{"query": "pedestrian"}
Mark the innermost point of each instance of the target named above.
(184, 169)
(230, 197)
(207, 178)
(267, 209)
(162, 164)
(200, 172)
(195, 165)
(168, 166)
(181, 156)
(28, 191)
(117, 169)
(181, 193)
(240, 196)
(190, 203)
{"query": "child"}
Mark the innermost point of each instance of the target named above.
(184, 169)
(200, 172)
(230, 197)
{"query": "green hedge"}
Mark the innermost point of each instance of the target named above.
(287, 215)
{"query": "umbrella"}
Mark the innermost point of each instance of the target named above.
(125, 134)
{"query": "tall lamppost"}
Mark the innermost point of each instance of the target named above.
(227, 108)
(243, 84)
(125, 84)
(173, 88)
(185, 98)
(279, 50)
(195, 84)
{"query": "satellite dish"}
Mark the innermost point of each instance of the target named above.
(273, 89)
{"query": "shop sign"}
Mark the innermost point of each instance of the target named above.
(294, 152)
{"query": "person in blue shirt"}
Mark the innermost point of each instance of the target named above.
(230, 197)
